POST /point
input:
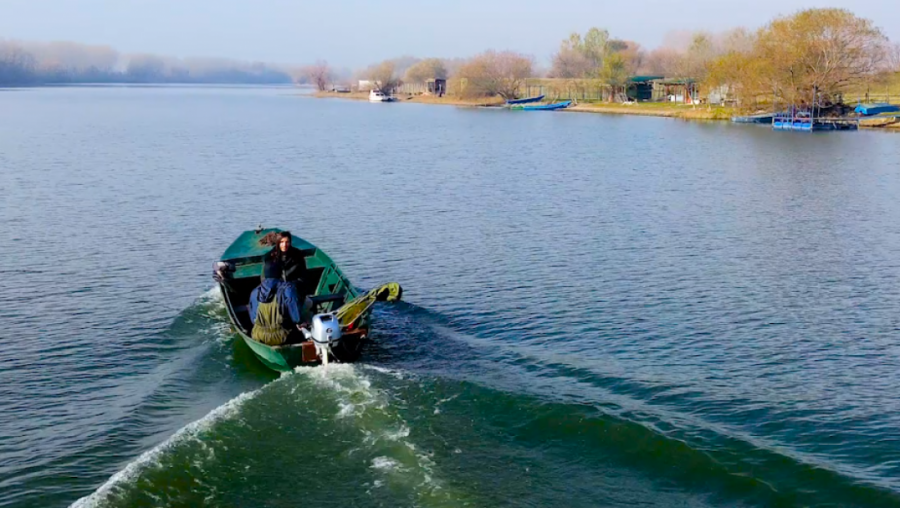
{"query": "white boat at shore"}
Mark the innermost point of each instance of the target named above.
(378, 96)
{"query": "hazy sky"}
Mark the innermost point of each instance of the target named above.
(354, 33)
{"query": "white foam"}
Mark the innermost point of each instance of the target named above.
(212, 297)
(391, 372)
(151, 457)
(347, 409)
(437, 406)
(385, 463)
(385, 432)
(402, 432)
(212, 305)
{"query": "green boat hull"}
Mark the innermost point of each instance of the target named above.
(329, 289)
(286, 358)
(270, 357)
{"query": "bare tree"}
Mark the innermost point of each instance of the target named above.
(820, 52)
(17, 66)
(659, 62)
(632, 54)
(496, 73)
(384, 77)
(813, 56)
(569, 63)
(318, 74)
(430, 68)
(146, 68)
(581, 57)
(892, 60)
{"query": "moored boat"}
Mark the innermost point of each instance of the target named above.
(331, 298)
(543, 107)
(761, 118)
(876, 109)
(379, 96)
(527, 100)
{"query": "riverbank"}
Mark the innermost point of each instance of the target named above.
(885, 123)
(420, 99)
(665, 110)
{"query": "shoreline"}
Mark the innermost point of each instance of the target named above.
(661, 110)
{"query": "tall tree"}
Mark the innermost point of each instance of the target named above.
(581, 57)
(660, 62)
(17, 66)
(814, 54)
(569, 63)
(614, 73)
(422, 71)
(496, 73)
(384, 77)
(318, 74)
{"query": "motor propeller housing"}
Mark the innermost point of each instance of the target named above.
(325, 329)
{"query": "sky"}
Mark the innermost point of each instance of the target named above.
(355, 33)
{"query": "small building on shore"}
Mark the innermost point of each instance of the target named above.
(682, 90)
(640, 88)
(436, 86)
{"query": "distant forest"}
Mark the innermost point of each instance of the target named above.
(32, 64)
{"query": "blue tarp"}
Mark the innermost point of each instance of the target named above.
(876, 109)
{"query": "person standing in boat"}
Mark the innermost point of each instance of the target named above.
(274, 307)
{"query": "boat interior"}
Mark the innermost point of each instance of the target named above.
(323, 289)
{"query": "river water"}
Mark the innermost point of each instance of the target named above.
(600, 310)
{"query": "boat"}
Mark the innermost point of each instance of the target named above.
(379, 96)
(876, 109)
(762, 118)
(332, 300)
(543, 107)
(528, 100)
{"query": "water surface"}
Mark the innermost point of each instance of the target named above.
(600, 310)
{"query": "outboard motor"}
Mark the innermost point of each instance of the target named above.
(326, 331)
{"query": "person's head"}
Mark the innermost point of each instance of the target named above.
(284, 241)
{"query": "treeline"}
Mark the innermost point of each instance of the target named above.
(29, 63)
(813, 55)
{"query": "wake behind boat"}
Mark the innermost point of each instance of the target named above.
(336, 314)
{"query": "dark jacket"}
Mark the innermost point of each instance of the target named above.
(288, 300)
(292, 262)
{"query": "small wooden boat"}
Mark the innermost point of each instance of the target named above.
(330, 295)
(543, 107)
(528, 100)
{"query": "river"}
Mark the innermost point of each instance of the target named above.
(599, 310)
